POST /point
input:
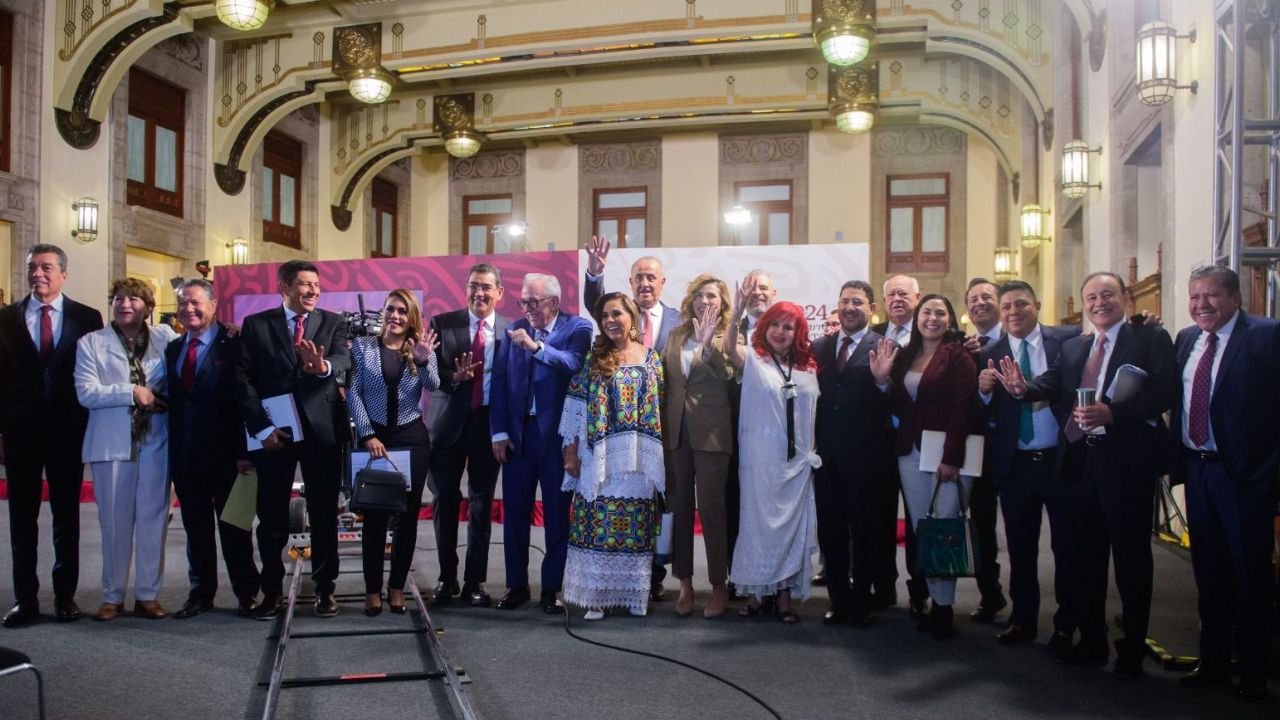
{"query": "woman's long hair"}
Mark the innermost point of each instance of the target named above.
(801, 350)
(907, 355)
(686, 306)
(414, 329)
(605, 358)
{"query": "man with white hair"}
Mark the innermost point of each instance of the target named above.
(901, 293)
(647, 279)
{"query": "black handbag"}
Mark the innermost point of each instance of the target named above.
(379, 490)
(946, 547)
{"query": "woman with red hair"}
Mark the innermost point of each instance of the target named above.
(777, 535)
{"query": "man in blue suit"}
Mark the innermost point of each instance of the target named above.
(1226, 442)
(531, 375)
(1022, 439)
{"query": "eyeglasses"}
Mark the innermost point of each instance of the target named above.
(529, 303)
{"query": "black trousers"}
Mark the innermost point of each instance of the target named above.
(847, 506)
(982, 510)
(472, 453)
(411, 436)
(321, 467)
(1108, 513)
(1232, 526)
(202, 497)
(1031, 491)
(28, 460)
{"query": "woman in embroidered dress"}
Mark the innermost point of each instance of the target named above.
(777, 535)
(613, 464)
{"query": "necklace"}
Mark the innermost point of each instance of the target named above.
(789, 394)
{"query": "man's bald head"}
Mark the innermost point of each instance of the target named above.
(647, 280)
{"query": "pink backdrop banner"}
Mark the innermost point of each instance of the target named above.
(440, 283)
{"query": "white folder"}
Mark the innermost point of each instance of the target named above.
(283, 412)
(931, 445)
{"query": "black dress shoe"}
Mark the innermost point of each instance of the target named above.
(1252, 690)
(268, 608)
(657, 593)
(819, 578)
(66, 610)
(20, 614)
(1085, 653)
(988, 609)
(550, 604)
(193, 607)
(1128, 666)
(1060, 641)
(476, 596)
(835, 616)
(916, 608)
(245, 607)
(1015, 634)
(326, 606)
(444, 592)
(1204, 676)
(514, 598)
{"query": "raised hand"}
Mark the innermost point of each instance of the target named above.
(704, 327)
(311, 356)
(971, 344)
(464, 369)
(743, 292)
(1010, 376)
(987, 378)
(422, 349)
(881, 360)
(522, 339)
(597, 254)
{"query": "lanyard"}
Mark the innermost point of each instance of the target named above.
(788, 392)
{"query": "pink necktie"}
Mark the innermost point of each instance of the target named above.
(1198, 418)
(648, 330)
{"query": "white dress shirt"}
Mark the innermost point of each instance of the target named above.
(1188, 379)
(900, 334)
(488, 347)
(1042, 420)
(33, 319)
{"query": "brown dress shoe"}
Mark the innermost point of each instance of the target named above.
(684, 604)
(718, 603)
(149, 609)
(109, 611)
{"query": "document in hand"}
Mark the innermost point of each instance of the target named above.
(241, 506)
(1127, 383)
(283, 413)
(931, 445)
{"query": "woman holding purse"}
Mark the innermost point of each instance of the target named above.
(388, 375)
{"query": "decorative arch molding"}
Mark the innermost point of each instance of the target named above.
(928, 114)
(229, 174)
(1016, 72)
(362, 175)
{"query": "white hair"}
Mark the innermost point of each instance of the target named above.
(550, 285)
(915, 284)
(762, 273)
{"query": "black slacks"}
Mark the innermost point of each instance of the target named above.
(1031, 491)
(982, 510)
(202, 497)
(321, 466)
(472, 453)
(847, 505)
(28, 460)
(411, 436)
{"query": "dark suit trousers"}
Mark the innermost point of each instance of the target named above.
(473, 452)
(539, 462)
(1108, 511)
(847, 506)
(202, 497)
(1030, 492)
(28, 460)
(982, 510)
(414, 437)
(321, 465)
(1231, 542)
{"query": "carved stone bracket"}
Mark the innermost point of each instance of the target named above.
(229, 175)
(341, 217)
(230, 179)
(341, 213)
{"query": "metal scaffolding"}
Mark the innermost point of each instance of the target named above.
(1237, 21)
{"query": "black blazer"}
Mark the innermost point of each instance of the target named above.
(853, 415)
(1244, 410)
(1002, 413)
(268, 366)
(448, 407)
(35, 393)
(206, 433)
(1146, 347)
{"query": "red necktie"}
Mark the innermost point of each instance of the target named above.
(843, 357)
(1092, 368)
(189, 364)
(477, 356)
(46, 333)
(983, 340)
(648, 330)
(1198, 418)
(299, 327)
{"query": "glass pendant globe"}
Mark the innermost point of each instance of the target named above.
(371, 88)
(843, 46)
(243, 14)
(462, 143)
(855, 122)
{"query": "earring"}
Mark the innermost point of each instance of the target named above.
(635, 334)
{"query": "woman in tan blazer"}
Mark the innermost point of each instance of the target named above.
(698, 437)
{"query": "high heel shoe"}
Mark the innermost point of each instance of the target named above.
(397, 609)
(684, 604)
(370, 609)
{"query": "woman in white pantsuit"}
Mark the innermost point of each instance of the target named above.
(119, 378)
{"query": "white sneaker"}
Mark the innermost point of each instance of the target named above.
(593, 614)
(639, 613)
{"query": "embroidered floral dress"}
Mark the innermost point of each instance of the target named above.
(612, 521)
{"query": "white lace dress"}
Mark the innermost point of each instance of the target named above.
(777, 535)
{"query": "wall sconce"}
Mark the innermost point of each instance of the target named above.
(357, 56)
(844, 29)
(243, 14)
(855, 97)
(1075, 169)
(1004, 264)
(1033, 220)
(1157, 63)
(454, 119)
(86, 209)
(239, 251)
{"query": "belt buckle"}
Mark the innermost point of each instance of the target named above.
(1093, 441)
(1038, 455)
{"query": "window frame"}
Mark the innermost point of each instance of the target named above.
(6, 97)
(160, 103)
(621, 215)
(385, 198)
(283, 155)
(489, 220)
(917, 260)
(764, 208)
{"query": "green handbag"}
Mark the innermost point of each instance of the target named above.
(946, 547)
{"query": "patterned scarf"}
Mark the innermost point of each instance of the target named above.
(140, 420)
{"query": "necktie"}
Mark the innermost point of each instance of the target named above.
(299, 327)
(898, 332)
(46, 333)
(1026, 430)
(648, 330)
(1198, 418)
(984, 339)
(477, 356)
(1089, 378)
(189, 364)
(843, 357)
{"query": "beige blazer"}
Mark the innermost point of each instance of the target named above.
(701, 399)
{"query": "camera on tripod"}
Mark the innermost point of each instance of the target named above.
(363, 323)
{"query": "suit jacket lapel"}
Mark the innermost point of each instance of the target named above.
(314, 320)
(279, 329)
(1187, 342)
(1230, 351)
(70, 328)
(864, 346)
(1124, 343)
(20, 329)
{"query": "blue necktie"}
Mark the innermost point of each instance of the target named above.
(1026, 430)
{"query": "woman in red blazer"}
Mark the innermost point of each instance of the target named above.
(932, 384)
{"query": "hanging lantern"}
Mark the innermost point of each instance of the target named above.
(243, 14)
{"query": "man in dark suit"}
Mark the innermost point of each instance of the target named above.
(901, 294)
(852, 439)
(1110, 454)
(458, 415)
(530, 378)
(1226, 439)
(296, 350)
(1022, 439)
(42, 427)
(207, 449)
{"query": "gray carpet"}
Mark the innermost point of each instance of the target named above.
(523, 665)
